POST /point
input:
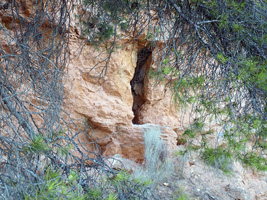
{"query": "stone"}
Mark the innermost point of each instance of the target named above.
(166, 184)
(106, 105)
(99, 99)
(120, 163)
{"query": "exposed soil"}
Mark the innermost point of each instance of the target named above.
(196, 180)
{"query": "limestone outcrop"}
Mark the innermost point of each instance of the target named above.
(109, 94)
(111, 100)
(113, 106)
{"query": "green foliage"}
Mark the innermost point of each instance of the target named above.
(179, 153)
(195, 128)
(181, 87)
(37, 145)
(179, 194)
(190, 133)
(223, 21)
(112, 197)
(106, 31)
(254, 72)
(55, 187)
(95, 194)
(167, 70)
(254, 161)
(123, 179)
(123, 25)
(122, 176)
(238, 28)
(181, 140)
(73, 176)
(51, 174)
(64, 150)
(221, 58)
(111, 15)
(219, 157)
(183, 197)
(149, 35)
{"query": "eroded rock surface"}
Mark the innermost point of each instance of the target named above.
(111, 105)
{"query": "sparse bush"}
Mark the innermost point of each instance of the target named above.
(179, 194)
(218, 157)
(128, 186)
(254, 161)
(157, 164)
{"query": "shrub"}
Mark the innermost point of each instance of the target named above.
(219, 158)
(157, 165)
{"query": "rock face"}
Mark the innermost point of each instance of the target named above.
(112, 100)
(110, 95)
(125, 96)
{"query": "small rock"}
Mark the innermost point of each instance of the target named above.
(166, 184)
(191, 163)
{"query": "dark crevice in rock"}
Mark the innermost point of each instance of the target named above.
(138, 82)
